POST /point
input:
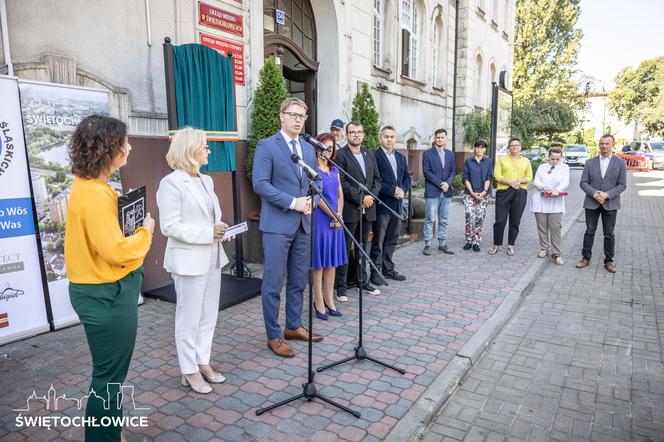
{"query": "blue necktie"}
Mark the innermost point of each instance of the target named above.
(294, 145)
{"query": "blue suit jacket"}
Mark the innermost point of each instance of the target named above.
(389, 183)
(435, 173)
(277, 180)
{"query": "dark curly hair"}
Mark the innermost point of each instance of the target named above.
(97, 140)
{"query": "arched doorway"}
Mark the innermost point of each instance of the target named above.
(294, 42)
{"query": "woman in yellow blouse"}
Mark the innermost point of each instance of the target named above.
(104, 267)
(512, 174)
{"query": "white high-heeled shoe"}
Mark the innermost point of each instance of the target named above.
(215, 378)
(203, 388)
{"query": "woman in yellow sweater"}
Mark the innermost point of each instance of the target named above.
(104, 267)
(512, 174)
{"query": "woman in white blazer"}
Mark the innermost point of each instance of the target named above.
(190, 217)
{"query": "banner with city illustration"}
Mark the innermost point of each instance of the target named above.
(51, 112)
(22, 300)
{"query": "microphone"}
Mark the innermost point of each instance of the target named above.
(320, 147)
(311, 173)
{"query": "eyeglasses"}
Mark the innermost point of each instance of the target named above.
(514, 145)
(206, 147)
(355, 132)
(295, 116)
(480, 147)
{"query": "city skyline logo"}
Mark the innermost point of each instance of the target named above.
(9, 293)
(54, 402)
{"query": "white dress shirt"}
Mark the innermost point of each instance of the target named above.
(392, 159)
(604, 164)
(552, 178)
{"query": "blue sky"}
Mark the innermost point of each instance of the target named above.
(619, 33)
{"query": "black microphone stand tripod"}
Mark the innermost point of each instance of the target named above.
(360, 352)
(309, 391)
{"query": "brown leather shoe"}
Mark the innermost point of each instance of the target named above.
(582, 264)
(610, 267)
(280, 348)
(301, 334)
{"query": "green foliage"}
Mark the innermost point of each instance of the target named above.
(542, 120)
(364, 110)
(476, 124)
(546, 43)
(639, 95)
(534, 165)
(269, 94)
(457, 185)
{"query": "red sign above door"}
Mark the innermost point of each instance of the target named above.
(220, 19)
(225, 46)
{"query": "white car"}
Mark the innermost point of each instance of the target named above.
(575, 155)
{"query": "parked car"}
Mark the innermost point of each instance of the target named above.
(651, 149)
(575, 155)
(535, 153)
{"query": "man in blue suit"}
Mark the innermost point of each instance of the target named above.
(395, 182)
(439, 170)
(285, 223)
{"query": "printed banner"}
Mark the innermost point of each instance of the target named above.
(223, 47)
(51, 112)
(22, 300)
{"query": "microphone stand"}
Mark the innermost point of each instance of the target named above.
(360, 352)
(309, 391)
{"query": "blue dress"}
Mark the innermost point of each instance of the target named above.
(329, 246)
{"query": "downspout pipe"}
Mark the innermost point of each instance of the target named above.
(456, 62)
(5, 38)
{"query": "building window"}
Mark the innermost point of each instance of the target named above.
(410, 33)
(478, 81)
(506, 17)
(492, 79)
(379, 13)
(438, 53)
(299, 25)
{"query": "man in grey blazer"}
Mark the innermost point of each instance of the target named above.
(285, 223)
(604, 178)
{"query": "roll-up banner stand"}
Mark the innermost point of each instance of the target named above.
(23, 302)
(51, 112)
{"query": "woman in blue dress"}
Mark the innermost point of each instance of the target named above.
(329, 247)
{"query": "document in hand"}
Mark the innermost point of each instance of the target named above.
(235, 230)
(131, 210)
(551, 195)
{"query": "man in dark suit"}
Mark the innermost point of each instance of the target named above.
(439, 169)
(285, 223)
(395, 182)
(360, 164)
(604, 178)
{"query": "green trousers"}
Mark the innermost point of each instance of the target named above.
(109, 314)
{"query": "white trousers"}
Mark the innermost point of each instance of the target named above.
(196, 314)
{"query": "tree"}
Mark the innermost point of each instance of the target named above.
(476, 124)
(364, 110)
(542, 120)
(546, 43)
(269, 94)
(639, 95)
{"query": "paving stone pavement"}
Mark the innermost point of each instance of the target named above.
(418, 325)
(583, 357)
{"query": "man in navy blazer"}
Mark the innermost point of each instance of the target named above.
(603, 179)
(439, 169)
(395, 182)
(285, 222)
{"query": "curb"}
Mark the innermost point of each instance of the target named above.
(413, 424)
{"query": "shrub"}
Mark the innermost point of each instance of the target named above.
(364, 110)
(269, 94)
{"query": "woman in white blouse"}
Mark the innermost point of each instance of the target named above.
(548, 205)
(190, 217)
